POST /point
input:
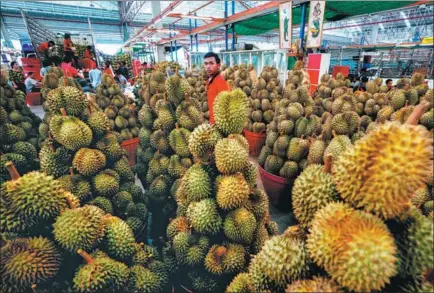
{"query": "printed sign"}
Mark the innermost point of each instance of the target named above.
(316, 20)
(285, 25)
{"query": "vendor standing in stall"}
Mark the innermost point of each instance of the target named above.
(45, 47)
(68, 50)
(215, 83)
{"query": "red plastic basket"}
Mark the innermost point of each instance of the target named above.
(278, 189)
(33, 99)
(130, 146)
(256, 141)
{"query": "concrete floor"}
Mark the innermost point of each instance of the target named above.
(283, 219)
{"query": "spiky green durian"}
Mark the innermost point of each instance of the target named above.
(179, 224)
(79, 227)
(31, 198)
(118, 239)
(69, 98)
(106, 183)
(103, 203)
(257, 203)
(178, 140)
(196, 183)
(204, 217)
(376, 192)
(26, 149)
(166, 116)
(230, 156)
(122, 167)
(230, 111)
(420, 197)
(100, 274)
(225, 259)
(188, 116)
(160, 141)
(250, 173)
(312, 190)
(55, 162)
(240, 284)
(337, 146)
(89, 161)
(122, 199)
(98, 122)
(232, 191)
(202, 141)
(77, 185)
(181, 245)
(27, 262)
(239, 226)
(70, 132)
(203, 281)
(273, 164)
(110, 146)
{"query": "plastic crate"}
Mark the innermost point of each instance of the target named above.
(256, 141)
(33, 99)
(278, 189)
(130, 146)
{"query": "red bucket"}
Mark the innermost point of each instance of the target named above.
(130, 146)
(256, 141)
(278, 189)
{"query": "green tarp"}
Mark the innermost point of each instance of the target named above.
(335, 10)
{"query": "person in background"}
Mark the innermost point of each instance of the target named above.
(95, 77)
(108, 68)
(389, 84)
(354, 82)
(45, 67)
(215, 83)
(16, 76)
(45, 47)
(68, 49)
(362, 85)
(119, 78)
(123, 70)
(32, 85)
(88, 53)
(68, 70)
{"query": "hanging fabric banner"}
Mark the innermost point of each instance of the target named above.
(285, 25)
(316, 20)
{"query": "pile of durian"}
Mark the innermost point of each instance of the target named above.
(162, 66)
(197, 80)
(162, 155)
(119, 108)
(266, 93)
(19, 141)
(151, 88)
(87, 159)
(222, 218)
(55, 79)
(358, 229)
(52, 242)
(305, 129)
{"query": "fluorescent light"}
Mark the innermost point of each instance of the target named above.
(192, 16)
(407, 23)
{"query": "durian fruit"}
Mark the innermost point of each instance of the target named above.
(273, 164)
(118, 239)
(345, 123)
(106, 183)
(27, 262)
(67, 97)
(376, 192)
(204, 217)
(79, 227)
(54, 162)
(103, 203)
(239, 226)
(356, 248)
(230, 110)
(232, 191)
(316, 151)
(98, 122)
(100, 274)
(281, 260)
(338, 145)
(179, 224)
(88, 161)
(202, 141)
(312, 190)
(70, 132)
(317, 284)
(178, 140)
(225, 259)
(110, 147)
(30, 199)
(230, 156)
(196, 184)
(240, 284)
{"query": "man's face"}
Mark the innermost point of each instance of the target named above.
(15, 66)
(389, 84)
(211, 65)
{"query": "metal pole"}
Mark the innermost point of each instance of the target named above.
(226, 27)
(197, 37)
(303, 22)
(171, 44)
(191, 36)
(93, 41)
(233, 27)
(176, 47)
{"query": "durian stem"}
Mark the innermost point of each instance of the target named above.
(63, 111)
(51, 146)
(418, 111)
(65, 81)
(34, 288)
(70, 203)
(86, 256)
(328, 164)
(187, 97)
(71, 171)
(189, 291)
(334, 133)
(12, 170)
(176, 126)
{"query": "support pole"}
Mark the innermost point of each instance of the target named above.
(226, 27)
(196, 36)
(233, 27)
(171, 45)
(176, 47)
(303, 22)
(191, 36)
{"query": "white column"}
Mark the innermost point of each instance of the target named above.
(156, 10)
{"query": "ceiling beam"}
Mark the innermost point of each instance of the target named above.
(246, 14)
(243, 4)
(196, 9)
(155, 19)
(129, 10)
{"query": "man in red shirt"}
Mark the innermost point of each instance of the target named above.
(67, 68)
(215, 83)
(45, 46)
